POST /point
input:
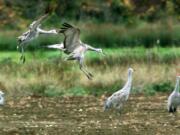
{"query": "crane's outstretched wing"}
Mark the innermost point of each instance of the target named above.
(56, 46)
(71, 34)
(36, 23)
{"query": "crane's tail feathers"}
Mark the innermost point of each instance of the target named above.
(172, 109)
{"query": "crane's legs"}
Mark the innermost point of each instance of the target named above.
(88, 74)
(119, 108)
(69, 57)
(22, 58)
(172, 109)
(81, 65)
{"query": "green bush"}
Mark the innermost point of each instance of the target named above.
(76, 91)
(158, 87)
(149, 35)
(44, 89)
(107, 35)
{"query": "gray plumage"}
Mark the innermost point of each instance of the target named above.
(118, 99)
(1, 98)
(74, 47)
(33, 32)
(174, 98)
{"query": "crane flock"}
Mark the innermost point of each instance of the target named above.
(75, 50)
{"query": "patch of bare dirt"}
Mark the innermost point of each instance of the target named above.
(84, 116)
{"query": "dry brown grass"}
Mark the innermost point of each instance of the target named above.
(44, 77)
(144, 75)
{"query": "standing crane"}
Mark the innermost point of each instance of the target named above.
(1, 98)
(33, 32)
(74, 47)
(117, 99)
(174, 98)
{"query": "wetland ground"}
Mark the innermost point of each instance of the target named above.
(142, 115)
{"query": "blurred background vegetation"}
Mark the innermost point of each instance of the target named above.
(144, 34)
(115, 11)
(108, 23)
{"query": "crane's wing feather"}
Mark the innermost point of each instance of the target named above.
(36, 23)
(118, 98)
(71, 34)
(173, 99)
(56, 46)
(176, 99)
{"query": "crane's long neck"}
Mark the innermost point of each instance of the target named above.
(128, 84)
(177, 85)
(46, 31)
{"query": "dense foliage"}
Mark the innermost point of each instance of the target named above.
(126, 11)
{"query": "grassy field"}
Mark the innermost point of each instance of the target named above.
(45, 73)
(137, 54)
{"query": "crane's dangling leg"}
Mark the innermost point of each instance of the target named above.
(22, 58)
(86, 70)
(89, 75)
(172, 109)
(69, 57)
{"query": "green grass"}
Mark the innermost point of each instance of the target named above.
(106, 35)
(45, 73)
(113, 56)
(146, 35)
